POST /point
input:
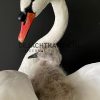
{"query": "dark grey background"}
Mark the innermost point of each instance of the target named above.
(79, 46)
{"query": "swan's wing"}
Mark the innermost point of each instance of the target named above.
(86, 82)
(15, 86)
(90, 71)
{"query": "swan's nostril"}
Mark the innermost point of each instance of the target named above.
(22, 17)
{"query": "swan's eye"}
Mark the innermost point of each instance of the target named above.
(29, 8)
(33, 56)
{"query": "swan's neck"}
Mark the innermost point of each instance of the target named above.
(60, 24)
(54, 35)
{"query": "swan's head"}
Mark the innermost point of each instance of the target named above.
(30, 9)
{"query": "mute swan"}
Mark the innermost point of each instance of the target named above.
(48, 79)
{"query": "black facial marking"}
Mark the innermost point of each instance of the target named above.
(33, 56)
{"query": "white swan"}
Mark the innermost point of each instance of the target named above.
(49, 81)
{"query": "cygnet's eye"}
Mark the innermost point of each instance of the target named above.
(33, 56)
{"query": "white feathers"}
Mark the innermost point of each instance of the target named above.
(24, 4)
(39, 5)
(15, 85)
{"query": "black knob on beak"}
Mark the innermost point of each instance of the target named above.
(22, 17)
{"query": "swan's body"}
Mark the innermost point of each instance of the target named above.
(15, 85)
(49, 81)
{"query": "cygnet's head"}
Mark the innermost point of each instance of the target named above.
(48, 56)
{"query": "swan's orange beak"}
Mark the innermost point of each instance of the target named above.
(25, 26)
